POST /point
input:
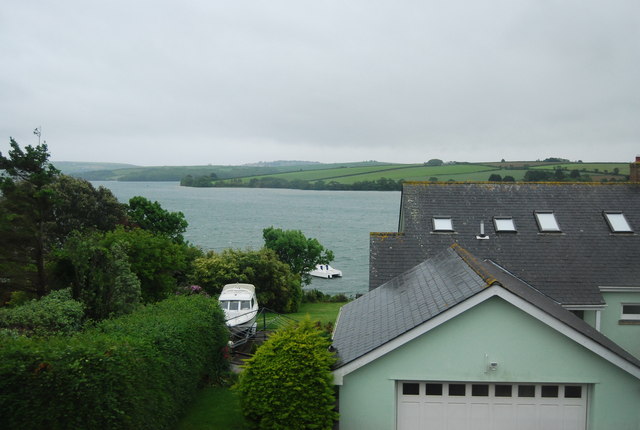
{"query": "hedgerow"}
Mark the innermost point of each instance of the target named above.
(138, 371)
(288, 383)
(56, 312)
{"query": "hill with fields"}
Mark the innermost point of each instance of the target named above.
(365, 175)
(389, 176)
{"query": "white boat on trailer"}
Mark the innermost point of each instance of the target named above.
(325, 271)
(240, 305)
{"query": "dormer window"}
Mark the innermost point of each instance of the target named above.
(547, 222)
(504, 224)
(617, 222)
(442, 223)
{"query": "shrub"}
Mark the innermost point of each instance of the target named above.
(317, 296)
(136, 371)
(314, 296)
(56, 312)
(288, 383)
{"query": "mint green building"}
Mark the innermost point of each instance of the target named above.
(521, 323)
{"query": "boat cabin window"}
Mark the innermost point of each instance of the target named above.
(235, 305)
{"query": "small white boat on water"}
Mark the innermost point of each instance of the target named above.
(325, 271)
(240, 306)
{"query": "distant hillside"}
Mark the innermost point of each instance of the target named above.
(280, 163)
(364, 175)
(176, 173)
(77, 167)
(380, 176)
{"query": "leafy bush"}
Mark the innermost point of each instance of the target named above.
(56, 312)
(276, 287)
(138, 371)
(288, 383)
(317, 296)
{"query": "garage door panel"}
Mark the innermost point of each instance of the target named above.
(504, 415)
(456, 416)
(500, 406)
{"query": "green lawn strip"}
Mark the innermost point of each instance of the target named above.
(215, 408)
(421, 173)
(323, 312)
(623, 168)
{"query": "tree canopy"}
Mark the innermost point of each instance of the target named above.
(152, 217)
(302, 254)
(276, 286)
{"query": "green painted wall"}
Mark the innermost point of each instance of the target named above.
(627, 336)
(526, 350)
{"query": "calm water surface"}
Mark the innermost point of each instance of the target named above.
(222, 218)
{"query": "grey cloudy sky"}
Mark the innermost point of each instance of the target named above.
(230, 82)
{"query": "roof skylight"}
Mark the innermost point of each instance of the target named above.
(547, 222)
(618, 222)
(504, 224)
(442, 223)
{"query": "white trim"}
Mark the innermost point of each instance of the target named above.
(598, 319)
(619, 289)
(584, 307)
(633, 316)
(458, 309)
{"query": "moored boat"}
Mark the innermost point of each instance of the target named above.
(325, 271)
(240, 305)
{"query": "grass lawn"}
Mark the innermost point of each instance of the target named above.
(215, 408)
(218, 408)
(323, 312)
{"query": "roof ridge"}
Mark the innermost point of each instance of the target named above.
(474, 264)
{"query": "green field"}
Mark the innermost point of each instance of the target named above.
(623, 168)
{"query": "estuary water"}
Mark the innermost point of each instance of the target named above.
(222, 218)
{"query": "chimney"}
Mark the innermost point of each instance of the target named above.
(634, 170)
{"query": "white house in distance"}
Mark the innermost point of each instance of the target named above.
(498, 306)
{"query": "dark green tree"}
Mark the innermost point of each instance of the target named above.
(538, 176)
(494, 177)
(302, 254)
(77, 205)
(102, 276)
(158, 262)
(26, 216)
(508, 178)
(434, 162)
(152, 217)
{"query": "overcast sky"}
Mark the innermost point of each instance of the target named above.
(232, 82)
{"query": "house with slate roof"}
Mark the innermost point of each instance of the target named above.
(498, 306)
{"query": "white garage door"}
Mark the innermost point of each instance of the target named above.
(478, 406)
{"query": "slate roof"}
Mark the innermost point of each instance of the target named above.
(567, 266)
(427, 290)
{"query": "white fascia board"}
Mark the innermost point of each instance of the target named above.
(619, 289)
(584, 307)
(492, 291)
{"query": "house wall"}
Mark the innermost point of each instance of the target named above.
(458, 350)
(627, 335)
